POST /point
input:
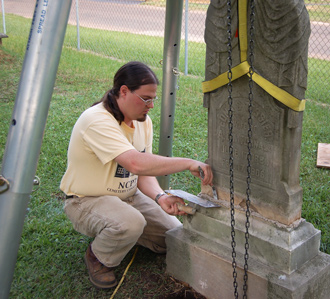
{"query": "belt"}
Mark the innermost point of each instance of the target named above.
(71, 196)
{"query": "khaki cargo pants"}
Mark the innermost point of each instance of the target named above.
(117, 225)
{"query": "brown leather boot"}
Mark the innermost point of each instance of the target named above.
(100, 276)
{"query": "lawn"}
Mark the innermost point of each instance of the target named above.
(49, 263)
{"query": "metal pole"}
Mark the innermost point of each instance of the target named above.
(77, 18)
(28, 122)
(186, 17)
(3, 16)
(173, 22)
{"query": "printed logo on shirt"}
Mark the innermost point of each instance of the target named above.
(121, 172)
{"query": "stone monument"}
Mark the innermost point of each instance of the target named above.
(284, 258)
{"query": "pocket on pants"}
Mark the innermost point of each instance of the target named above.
(75, 213)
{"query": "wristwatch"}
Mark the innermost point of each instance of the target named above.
(158, 196)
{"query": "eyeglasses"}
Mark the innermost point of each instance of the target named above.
(147, 102)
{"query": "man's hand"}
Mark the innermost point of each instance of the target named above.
(207, 170)
(169, 204)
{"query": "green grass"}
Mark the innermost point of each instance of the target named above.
(316, 181)
(318, 80)
(116, 45)
(49, 263)
(319, 11)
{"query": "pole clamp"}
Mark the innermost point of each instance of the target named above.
(176, 71)
(4, 184)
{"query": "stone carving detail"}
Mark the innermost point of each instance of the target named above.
(282, 30)
(282, 33)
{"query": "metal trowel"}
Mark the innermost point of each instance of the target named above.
(191, 198)
(194, 199)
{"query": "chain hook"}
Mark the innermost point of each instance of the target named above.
(176, 73)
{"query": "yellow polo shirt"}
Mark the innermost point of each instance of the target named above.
(96, 140)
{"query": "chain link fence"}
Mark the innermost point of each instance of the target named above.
(133, 30)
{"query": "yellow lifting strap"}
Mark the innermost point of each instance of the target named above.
(237, 72)
(243, 69)
(279, 94)
(242, 28)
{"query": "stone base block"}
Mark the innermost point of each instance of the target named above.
(286, 248)
(190, 259)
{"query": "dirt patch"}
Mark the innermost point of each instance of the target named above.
(5, 58)
(147, 278)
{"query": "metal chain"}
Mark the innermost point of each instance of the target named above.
(249, 156)
(231, 149)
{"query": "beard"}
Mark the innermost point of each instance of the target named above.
(142, 118)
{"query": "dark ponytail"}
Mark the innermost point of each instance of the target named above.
(133, 74)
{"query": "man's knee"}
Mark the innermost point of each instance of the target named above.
(134, 225)
(130, 227)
